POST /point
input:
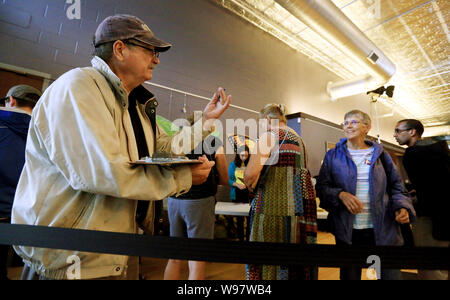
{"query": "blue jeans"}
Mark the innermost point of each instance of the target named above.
(365, 237)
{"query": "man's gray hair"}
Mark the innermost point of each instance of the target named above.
(365, 118)
(104, 51)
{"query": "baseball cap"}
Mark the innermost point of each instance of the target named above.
(24, 92)
(123, 27)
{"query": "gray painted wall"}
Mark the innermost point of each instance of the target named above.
(212, 47)
(315, 135)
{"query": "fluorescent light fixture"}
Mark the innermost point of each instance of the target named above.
(342, 89)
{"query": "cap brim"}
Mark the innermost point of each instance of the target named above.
(159, 45)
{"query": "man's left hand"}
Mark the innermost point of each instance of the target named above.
(216, 107)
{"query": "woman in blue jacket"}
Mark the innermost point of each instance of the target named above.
(363, 193)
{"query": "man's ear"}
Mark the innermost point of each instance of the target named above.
(11, 103)
(118, 50)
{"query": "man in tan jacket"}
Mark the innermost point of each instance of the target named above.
(84, 132)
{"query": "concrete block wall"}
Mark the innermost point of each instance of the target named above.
(40, 36)
(212, 47)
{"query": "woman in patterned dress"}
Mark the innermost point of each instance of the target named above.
(284, 208)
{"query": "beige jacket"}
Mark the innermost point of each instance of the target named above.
(77, 172)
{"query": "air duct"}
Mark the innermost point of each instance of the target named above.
(327, 20)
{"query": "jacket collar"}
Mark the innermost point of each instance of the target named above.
(342, 146)
(14, 119)
(141, 94)
(15, 110)
(112, 79)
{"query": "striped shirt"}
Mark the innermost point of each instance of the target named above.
(362, 159)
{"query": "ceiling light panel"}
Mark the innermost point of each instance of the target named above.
(366, 14)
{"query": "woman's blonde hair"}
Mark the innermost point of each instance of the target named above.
(274, 111)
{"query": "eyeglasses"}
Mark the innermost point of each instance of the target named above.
(153, 51)
(398, 130)
(353, 122)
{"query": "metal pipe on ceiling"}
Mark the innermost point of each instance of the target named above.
(333, 25)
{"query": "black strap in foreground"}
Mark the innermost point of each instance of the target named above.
(222, 251)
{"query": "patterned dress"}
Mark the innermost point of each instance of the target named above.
(284, 208)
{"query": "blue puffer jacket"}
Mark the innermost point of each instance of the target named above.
(13, 136)
(387, 194)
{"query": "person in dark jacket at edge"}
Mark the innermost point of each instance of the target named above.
(14, 122)
(428, 167)
(360, 188)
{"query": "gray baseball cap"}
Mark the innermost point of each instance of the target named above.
(24, 92)
(123, 27)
